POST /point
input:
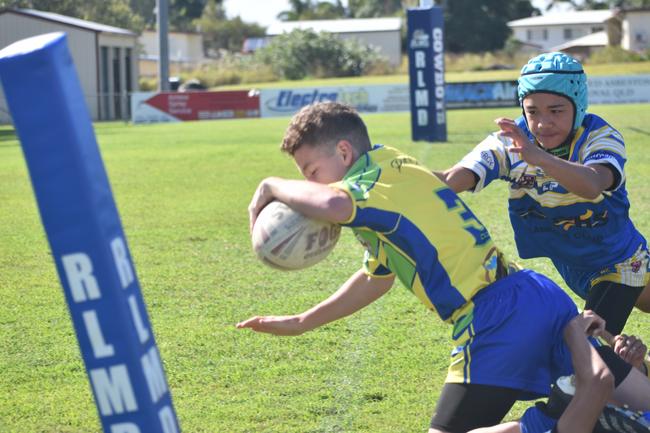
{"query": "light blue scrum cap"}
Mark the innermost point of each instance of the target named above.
(556, 73)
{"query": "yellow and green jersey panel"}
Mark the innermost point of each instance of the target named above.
(413, 226)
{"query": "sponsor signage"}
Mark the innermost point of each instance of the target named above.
(481, 94)
(175, 107)
(180, 106)
(366, 99)
(426, 74)
(624, 89)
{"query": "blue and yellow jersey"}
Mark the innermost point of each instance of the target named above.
(413, 226)
(548, 220)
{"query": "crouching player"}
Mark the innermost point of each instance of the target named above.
(590, 400)
(413, 227)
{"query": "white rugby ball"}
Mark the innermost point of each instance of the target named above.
(286, 239)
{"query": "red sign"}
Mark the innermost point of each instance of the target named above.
(207, 105)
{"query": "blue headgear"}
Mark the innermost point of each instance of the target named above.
(556, 73)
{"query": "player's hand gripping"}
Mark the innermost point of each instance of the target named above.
(590, 323)
(529, 151)
(631, 349)
(276, 325)
(263, 196)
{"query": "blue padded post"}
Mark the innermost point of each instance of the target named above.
(85, 233)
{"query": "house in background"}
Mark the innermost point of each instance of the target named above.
(104, 57)
(580, 33)
(551, 30)
(185, 52)
(383, 33)
(634, 28)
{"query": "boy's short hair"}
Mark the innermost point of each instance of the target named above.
(325, 124)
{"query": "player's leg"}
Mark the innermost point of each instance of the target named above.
(634, 391)
(613, 302)
(464, 407)
(643, 301)
(493, 362)
(506, 427)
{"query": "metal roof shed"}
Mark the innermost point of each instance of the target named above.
(104, 56)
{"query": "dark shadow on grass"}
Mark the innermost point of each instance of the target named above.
(7, 136)
(639, 130)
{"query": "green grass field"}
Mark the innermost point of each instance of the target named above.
(182, 191)
(450, 77)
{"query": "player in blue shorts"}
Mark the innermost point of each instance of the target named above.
(582, 403)
(568, 202)
(506, 323)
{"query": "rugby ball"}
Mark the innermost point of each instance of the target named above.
(287, 240)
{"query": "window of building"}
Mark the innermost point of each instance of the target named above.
(568, 34)
(529, 35)
(104, 80)
(117, 88)
(545, 34)
(597, 29)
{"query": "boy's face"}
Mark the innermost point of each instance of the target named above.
(323, 164)
(549, 117)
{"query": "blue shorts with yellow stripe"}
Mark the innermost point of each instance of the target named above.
(536, 421)
(513, 337)
(633, 271)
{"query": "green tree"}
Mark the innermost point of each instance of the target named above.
(375, 8)
(487, 20)
(183, 13)
(304, 53)
(600, 4)
(221, 33)
(312, 10)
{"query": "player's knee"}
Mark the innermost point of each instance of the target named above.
(435, 430)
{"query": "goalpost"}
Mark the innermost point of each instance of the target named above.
(85, 234)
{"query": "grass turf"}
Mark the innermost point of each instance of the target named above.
(182, 192)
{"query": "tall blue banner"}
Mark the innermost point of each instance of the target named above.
(85, 234)
(427, 74)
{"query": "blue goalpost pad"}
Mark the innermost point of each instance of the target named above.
(85, 234)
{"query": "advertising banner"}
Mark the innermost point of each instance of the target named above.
(481, 94)
(366, 99)
(147, 107)
(426, 74)
(624, 89)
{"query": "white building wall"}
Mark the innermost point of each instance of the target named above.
(185, 47)
(388, 42)
(82, 44)
(636, 31)
(551, 36)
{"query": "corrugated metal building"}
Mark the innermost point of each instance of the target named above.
(105, 58)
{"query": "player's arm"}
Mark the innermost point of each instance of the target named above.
(312, 199)
(458, 178)
(586, 181)
(630, 348)
(357, 292)
(594, 381)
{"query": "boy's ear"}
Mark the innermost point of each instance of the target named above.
(345, 149)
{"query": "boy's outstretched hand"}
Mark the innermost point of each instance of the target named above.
(276, 325)
(529, 151)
